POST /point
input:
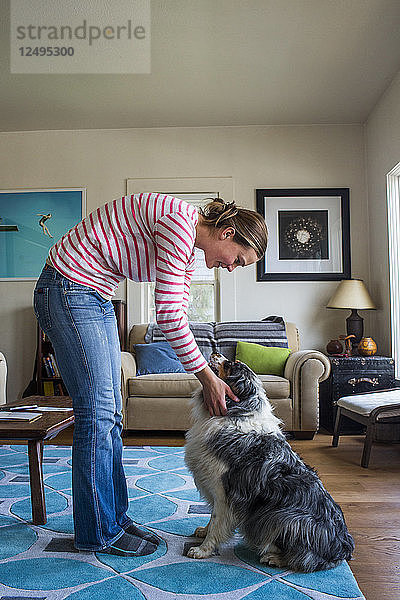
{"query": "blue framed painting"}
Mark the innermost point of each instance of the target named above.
(31, 222)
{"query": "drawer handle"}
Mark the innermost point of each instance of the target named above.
(354, 382)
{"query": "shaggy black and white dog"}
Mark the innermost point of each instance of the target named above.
(254, 482)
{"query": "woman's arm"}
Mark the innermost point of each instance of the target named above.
(174, 267)
(173, 262)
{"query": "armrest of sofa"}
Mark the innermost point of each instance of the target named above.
(128, 370)
(305, 369)
(3, 379)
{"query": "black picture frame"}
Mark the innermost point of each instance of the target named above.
(309, 234)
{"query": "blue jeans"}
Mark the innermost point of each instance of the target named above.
(82, 328)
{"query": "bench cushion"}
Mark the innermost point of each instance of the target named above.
(364, 404)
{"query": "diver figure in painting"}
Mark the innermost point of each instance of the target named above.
(42, 223)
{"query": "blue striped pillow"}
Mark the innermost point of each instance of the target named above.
(203, 333)
(265, 333)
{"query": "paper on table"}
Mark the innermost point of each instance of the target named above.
(51, 408)
(24, 417)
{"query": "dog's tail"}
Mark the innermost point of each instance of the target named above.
(305, 542)
(312, 561)
(316, 548)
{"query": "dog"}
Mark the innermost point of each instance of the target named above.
(254, 482)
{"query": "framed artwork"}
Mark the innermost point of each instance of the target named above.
(31, 221)
(308, 234)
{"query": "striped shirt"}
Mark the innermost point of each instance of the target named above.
(144, 237)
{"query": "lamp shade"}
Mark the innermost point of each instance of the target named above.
(351, 293)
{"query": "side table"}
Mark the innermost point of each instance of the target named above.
(352, 375)
(45, 428)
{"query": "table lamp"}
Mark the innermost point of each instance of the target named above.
(352, 293)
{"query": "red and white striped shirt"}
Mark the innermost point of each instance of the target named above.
(145, 237)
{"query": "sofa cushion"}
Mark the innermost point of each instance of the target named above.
(268, 360)
(174, 413)
(271, 332)
(157, 357)
(158, 414)
(275, 387)
(283, 409)
(171, 385)
(203, 333)
(167, 385)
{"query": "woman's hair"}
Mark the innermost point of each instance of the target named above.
(250, 227)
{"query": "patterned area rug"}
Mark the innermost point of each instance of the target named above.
(41, 562)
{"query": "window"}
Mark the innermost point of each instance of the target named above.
(204, 288)
(393, 200)
(221, 287)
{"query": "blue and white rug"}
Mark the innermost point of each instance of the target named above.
(40, 561)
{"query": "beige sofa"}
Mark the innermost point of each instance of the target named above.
(161, 402)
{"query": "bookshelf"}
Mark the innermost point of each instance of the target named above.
(48, 377)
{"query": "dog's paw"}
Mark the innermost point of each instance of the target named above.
(197, 552)
(201, 532)
(271, 559)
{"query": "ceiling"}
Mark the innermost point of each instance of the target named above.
(225, 62)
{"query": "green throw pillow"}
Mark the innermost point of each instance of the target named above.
(264, 360)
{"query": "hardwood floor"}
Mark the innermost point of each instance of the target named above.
(370, 499)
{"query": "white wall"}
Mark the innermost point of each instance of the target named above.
(255, 157)
(383, 153)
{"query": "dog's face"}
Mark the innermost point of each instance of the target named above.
(243, 382)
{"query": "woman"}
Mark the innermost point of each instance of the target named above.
(145, 237)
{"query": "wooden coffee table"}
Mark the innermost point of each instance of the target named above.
(45, 428)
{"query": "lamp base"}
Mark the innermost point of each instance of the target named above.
(355, 326)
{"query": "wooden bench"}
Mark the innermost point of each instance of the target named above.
(372, 409)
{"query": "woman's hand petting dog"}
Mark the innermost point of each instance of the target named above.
(214, 392)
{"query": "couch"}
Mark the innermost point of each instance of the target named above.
(161, 401)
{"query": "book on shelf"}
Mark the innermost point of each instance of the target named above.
(54, 388)
(59, 389)
(54, 366)
(48, 388)
(50, 366)
(47, 367)
(19, 416)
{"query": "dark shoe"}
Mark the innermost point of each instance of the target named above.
(130, 545)
(142, 533)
